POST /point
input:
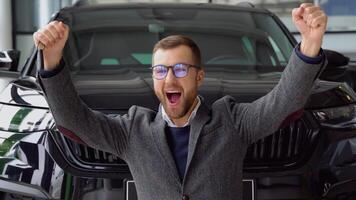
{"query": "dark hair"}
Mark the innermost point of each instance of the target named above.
(174, 41)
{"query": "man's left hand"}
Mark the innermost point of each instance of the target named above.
(311, 22)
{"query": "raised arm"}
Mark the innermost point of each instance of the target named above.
(72, 116)
(265, 115)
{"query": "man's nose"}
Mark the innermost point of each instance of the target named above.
(170, 76)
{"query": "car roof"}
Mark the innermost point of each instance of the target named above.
(92, 7)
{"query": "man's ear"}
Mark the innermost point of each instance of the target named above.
(200, 77)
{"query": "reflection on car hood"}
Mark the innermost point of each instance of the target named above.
(119, 89)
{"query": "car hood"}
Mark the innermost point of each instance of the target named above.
(116, 91)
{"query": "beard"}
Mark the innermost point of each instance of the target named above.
(186, 102)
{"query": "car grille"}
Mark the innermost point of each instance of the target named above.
(289, 146)
(81, 160)
(92, 156)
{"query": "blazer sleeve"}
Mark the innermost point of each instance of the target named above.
(76, 120)
(265, 115)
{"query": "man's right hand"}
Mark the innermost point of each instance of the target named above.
(52, 39)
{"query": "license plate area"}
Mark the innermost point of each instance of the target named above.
(249, 190)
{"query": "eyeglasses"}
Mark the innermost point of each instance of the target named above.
(180, 70)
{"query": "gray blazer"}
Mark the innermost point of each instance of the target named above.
(219, 135)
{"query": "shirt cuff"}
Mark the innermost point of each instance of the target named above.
(50, 73)
(310, 60)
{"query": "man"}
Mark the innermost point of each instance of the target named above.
(186, 150)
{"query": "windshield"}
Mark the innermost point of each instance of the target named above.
(225, 37)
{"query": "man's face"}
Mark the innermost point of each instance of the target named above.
(177, 95)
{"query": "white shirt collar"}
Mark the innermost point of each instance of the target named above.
(191, 117)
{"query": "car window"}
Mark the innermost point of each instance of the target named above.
(229, 38)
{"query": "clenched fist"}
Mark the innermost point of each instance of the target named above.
(52, 39)
(311, 22)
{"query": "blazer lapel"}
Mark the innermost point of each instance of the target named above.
(159, 136)
(196, 126)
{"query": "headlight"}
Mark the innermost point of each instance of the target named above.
(24, 119)
(338, 117)
(18, 122)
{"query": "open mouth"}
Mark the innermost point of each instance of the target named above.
(173, 97)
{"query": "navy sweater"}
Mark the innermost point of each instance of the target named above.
(178, 140)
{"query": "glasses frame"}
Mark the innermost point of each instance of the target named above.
(172, 67)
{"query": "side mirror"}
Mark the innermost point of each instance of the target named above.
(336, 59)
(10, 60)
(336, 69)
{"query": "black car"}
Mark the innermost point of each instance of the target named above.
(109, 51)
